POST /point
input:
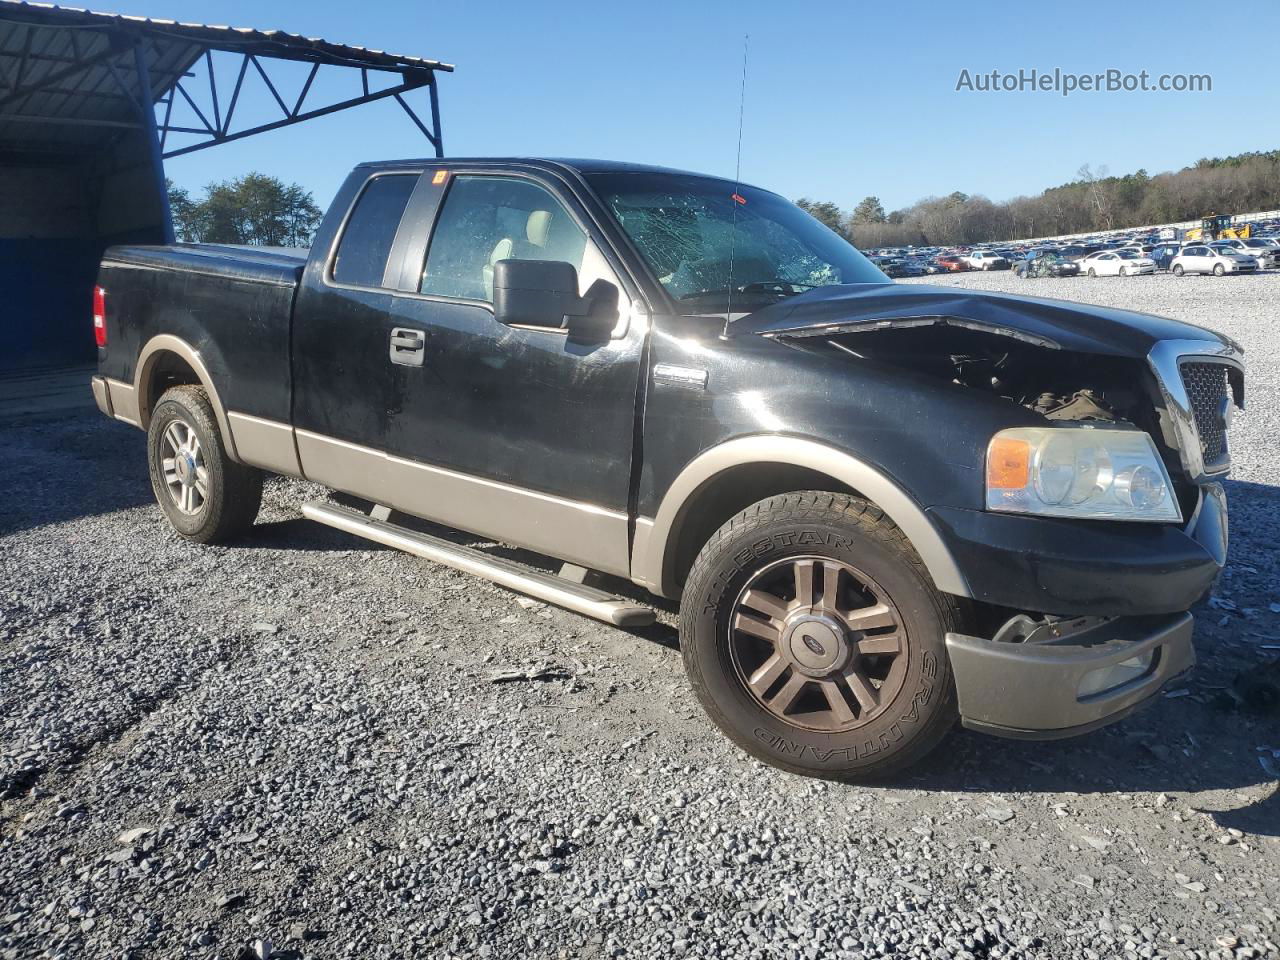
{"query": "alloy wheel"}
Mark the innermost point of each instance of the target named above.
(818, 644)
(185, 475)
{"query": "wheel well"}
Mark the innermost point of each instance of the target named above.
(730, 492)
(165, 369)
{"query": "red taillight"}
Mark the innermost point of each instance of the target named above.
(100, 316)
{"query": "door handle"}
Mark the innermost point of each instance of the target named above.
(407, 347)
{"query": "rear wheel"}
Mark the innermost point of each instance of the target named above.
(206, 496)
(814, 638)
(1177, 270)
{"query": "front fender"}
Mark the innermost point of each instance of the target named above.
(653, 547)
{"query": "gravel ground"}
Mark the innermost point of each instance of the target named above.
(305, 746)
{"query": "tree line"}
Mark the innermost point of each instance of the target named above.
(253, 209)
(1094, 201)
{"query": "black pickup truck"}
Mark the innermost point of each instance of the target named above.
(882, 507)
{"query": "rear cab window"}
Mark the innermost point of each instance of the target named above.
(370, 231)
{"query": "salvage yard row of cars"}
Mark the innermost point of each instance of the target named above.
(1133, 255)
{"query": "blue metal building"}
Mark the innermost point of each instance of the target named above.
(91, 104)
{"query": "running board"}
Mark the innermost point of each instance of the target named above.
(506, 573)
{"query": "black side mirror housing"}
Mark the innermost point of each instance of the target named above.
(544, 293)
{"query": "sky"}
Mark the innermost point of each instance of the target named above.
(842, 100)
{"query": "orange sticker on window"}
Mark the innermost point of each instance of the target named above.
(440, 177)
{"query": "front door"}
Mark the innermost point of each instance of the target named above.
(521, 434)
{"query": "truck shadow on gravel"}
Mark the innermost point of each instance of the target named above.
(80, 466)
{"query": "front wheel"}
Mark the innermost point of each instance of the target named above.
(206, 496)
(1093, 272)
(1124, 271)
(1219, 270)
(814, 638)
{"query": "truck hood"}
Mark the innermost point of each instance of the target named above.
(1056, 324)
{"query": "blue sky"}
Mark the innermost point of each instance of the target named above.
(843, 99)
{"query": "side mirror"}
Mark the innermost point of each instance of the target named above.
(544, 293)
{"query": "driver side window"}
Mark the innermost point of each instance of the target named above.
(489, 218)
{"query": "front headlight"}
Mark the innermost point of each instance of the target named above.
(1083, 471)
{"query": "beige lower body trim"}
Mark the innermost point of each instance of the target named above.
(640, 552)
(580, 533)
(100, 395)
(265, 443)
(124, 402)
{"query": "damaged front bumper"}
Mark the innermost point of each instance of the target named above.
(1071, 684)
(1097, 568)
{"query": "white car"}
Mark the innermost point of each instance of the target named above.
(1265, 253)
(1116, 263)
(985, 260)
(1202, 258)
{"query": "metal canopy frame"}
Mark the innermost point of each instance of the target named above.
(217, 129)
(90, 77)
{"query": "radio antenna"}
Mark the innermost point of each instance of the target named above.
(737, 183)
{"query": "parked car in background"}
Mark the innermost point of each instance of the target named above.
(1046, 265)
(953, 263)
(1202, 258)
(1267, 254)
(1141, 249)
(1163, 254)
(1116, 263)
(986, 260)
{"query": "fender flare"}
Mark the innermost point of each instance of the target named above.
(143, 371)
(655, 539)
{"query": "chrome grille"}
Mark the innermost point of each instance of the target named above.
(1206, 386)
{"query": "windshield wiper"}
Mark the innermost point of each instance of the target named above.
(766, 287)
(778, 282)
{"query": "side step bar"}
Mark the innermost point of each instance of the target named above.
(506, 573)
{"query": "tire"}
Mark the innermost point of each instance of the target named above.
(901, 702)
(1178, 270)
(1093, 273)
(206, 496)
(1218, 270)
(1124, 271)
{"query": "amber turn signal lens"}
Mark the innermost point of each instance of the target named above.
(1008, 464)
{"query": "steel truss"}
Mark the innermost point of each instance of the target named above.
(217, 128)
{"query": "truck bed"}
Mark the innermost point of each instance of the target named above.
(233, 304)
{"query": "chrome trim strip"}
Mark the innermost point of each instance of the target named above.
(268, 444)
(1165, 360)
(654, 567)
(506, 573)
(583, 533)
(684, 376)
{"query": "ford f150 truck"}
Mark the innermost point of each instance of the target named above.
(882, 507)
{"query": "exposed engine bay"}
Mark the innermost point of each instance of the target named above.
(1057, 384)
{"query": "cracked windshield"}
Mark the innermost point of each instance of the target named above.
(716, 246)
